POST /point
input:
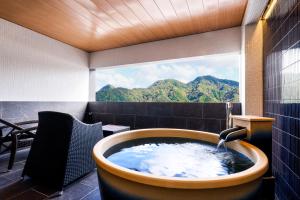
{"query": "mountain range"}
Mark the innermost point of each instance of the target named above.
(204, 89)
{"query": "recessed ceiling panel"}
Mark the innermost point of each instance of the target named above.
(94, 25)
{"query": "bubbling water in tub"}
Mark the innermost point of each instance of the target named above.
(178, 157)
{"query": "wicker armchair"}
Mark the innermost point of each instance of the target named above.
(62, 149)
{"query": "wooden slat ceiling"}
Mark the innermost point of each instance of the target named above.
(94, 25)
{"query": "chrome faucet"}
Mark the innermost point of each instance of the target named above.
(229, 107)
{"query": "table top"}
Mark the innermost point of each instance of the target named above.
(114, 128)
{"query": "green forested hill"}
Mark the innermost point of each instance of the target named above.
(205, 89)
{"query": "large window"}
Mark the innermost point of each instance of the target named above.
(201, 79)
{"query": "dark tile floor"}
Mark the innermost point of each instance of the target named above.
(13, 188)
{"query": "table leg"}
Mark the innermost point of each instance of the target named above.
(13, 150)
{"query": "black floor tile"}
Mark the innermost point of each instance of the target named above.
(15, 188)
(17, 166)
(30, 195)
(21, 156)
(4, 182)
(12, 187)
(44, 190)
(74, 192)
(94, 195)
(91, 180)
(14, 175)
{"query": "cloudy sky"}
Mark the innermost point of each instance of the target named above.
(143, 75)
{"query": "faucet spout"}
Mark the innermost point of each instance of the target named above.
(226, 132)
(235, 135)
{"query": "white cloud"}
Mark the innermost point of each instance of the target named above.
(115, 79)
(143, 75)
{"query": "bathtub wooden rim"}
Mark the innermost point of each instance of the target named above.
(258, 170)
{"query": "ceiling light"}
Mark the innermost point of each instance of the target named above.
(269, 9)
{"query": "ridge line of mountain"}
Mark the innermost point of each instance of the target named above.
(201, 89)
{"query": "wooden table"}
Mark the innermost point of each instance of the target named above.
(110, 129)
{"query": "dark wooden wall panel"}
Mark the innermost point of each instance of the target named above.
(197, 116)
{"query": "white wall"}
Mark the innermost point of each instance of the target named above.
(216, 42)
(34, 67)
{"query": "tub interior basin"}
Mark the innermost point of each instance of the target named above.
(177, 157)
